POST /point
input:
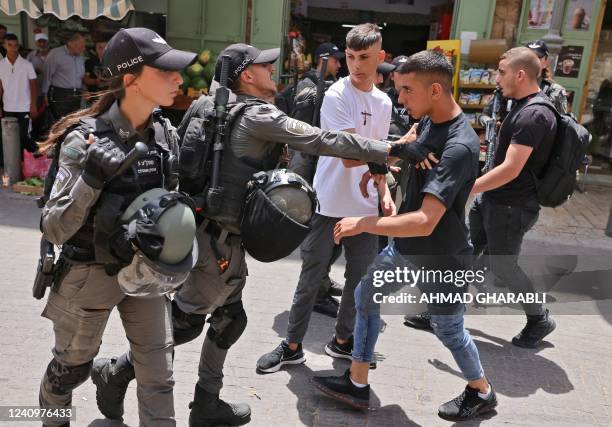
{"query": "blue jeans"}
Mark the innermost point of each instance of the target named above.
(448, 328)
(367, 327)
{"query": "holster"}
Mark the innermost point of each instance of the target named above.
(49, 273)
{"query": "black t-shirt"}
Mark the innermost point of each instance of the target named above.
(534, 126)
(90, 68)
(457, 147)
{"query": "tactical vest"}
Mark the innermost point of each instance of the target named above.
(236, 172)
(155, 170)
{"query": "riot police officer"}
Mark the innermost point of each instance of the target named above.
(553, 90)
(88, 195)
(255, 140)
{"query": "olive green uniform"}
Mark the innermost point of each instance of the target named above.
(80, 305)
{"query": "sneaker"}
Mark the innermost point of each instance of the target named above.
(534, 332)
(342, 351)
(281, 355)
(467, 405)
(419, 321)
(335, 288)
(342, 388)
(327, 306)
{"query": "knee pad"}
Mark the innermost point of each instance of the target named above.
(186, 326)
(227, 325)
(63, 379)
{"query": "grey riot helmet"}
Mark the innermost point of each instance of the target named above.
(161, 225)
(277, 215)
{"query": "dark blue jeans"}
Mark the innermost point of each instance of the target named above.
(448, 327)
(497, 230)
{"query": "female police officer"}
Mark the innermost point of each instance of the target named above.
(86, 196)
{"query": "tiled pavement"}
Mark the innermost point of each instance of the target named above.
(567, 382)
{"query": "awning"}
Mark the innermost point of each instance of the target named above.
(88, 9)
(13, 7)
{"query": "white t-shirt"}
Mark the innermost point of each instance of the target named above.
(369, 113)
(16, 84)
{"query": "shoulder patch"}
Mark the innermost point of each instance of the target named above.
(297, 127)
(72, 153)
(62, 177)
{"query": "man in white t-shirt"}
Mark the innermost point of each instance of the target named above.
(18, 89)
(352, 104)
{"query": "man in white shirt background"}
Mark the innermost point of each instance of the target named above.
(18, 90)
(352, 104)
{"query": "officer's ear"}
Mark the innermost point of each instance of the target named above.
(246, 76)
(129, 80)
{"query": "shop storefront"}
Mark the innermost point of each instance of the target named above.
(406, 26)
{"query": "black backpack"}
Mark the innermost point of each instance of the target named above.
(557, 182)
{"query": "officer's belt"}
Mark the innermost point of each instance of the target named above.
(218, 232)
(64, 91)
(77, 254)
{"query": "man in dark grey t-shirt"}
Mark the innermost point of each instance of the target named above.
(430, 233)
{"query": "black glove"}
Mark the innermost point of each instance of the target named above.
(102, 161)
(414, 153)
(378, 168)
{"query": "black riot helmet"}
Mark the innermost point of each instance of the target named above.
(277, 215)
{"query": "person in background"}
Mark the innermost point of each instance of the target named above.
(383, 75)
(553, 90)
(63, 74)
(2, 35)
(38, 56)
(92, 66)
(18, 90)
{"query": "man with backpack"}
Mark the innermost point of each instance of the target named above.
(508, 205)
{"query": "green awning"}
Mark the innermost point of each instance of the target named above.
(13, 7)
(88, 9)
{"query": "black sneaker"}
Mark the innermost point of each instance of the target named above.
(534, 332)
(335, 288)
(342, 388)
(281, 355)
(326, 305)
(419, 321)
(467, 405)
(342, 351)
